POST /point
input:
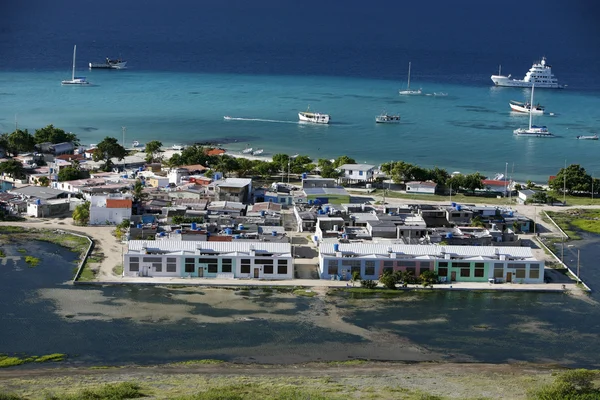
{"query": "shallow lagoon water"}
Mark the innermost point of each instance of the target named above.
(42, 313)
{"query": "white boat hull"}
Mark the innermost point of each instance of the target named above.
(387, 119)
(523, 109)
(533, 132)
(500, 80)
(410, 92)
(112, 65)
(315, 118)
(594, 137)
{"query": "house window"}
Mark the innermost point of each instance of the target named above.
(268, 269)
(245, 266)
(226, 265)
(157, 266)
(534, 273)
(355, 269)
(263, 261)
(411, 270)
(479, 265)
(407, 264)
(479, 272)
(360, 173)
(461, 265)
(370, 270)
(425, 264)
(499, 272)
(282, 267)
(134, 266)
(332, 267)
(443, 271)
(137, 259)
(465, 272)
(520, 273)
(190, 265)
(388, 263)
(171, 265)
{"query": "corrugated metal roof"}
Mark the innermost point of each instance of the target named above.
(433, 250)
(220, 247)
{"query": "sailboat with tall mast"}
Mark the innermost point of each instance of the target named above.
(534, 131)
(408, 91)
(75, 80)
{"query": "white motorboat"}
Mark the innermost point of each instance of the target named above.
(588, 137)
(227, 117)
(247, 150)
(540, 74)
(177, 147)
(317, 118)
(518, 106)
(533, 131)
(75, 80)
(408, 91)
(109, 64)
(258, 152)
(385, 118)
(135, 143)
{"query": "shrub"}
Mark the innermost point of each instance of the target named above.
(368, 283)
(389, 280)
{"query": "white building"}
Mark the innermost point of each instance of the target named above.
(419, 187)
(110, 209)
(357, 172)
(238, 259)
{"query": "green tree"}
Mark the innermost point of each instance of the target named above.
(54, 135)
(338, 162)
(518, 186)
(368, 284)
(108, 149)
(196, 154)
(175, 161)
(81, 214)
(428, 278)
(439, 176)
(69, 173)
(456, 182)
(44, 181)
(578, 384)
(152, 149)
(473, 182)
(574, 179)
(12, 168)
(388, 279)
(138, 191)
(20, 142)
(265, 169)
(245, 167)
(477, 222)
(225, 164)
(327, 169)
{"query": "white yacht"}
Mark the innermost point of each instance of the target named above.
(532, 130)
(317, 118)
(540, 74)
(75, 80)
(518, 106)
(109, 64)
(385, 118)
(408, 91)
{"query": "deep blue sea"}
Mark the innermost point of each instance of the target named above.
(190, 63)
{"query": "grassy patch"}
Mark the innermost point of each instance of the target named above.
(22, 251)
(118, 269)
(208, 361)
(2, 253)
(87, 274)
(32, 261)
(12, 361)
(117, 391)
(347, 362)
(305, 292)
(253, 391)
(12, 229)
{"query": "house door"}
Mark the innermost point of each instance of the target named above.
(145, 270)
(509, 277)
(256, 272)
(453, 276)
(200, 272)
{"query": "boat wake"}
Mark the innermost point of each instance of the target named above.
(228, 118)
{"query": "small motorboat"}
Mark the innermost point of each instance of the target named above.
(588, 137)
(135, 143)
(258, 152)
(247, 150)
(177, 147)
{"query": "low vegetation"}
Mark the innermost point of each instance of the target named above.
(12, 361)
(574, 220)
(305, 292)
(32, 261)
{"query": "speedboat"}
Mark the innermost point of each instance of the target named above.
(75, 80)
(247, 150)
(227, 117)
(109, 64)
(408, 91)
(518, 106)
(588, 137)
(177, 147)
(258, 152)
(540, 74)
(317, 118)
(532, 130)
(386, 118)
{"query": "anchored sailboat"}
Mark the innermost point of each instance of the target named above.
(535, 131)
(408, 91)
(75, 80)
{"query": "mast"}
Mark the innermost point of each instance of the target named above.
(531, 106)
(73, 73)
(408, 85)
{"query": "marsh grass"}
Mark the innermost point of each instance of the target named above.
(12, 361)
(207, 361)
(305, 292)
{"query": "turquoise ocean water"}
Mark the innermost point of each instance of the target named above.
(468, 130)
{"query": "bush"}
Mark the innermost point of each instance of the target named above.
(368, 283)
(389, 280)
(577, 384)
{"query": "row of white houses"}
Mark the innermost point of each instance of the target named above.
(272, 261)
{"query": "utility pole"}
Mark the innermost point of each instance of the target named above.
(592, 188)
(565, 184)
(562, 252)
(505, 187)
(578, 279)
(535, 220)
(123, 129)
